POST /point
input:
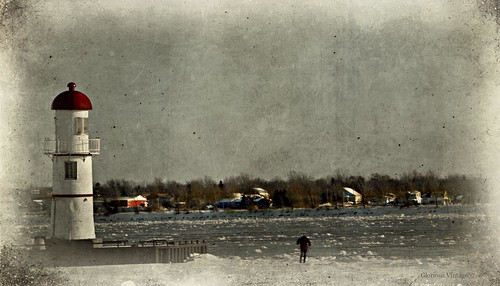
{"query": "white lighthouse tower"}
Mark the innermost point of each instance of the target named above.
(72, 215)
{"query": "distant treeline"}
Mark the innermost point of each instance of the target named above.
(299, 189)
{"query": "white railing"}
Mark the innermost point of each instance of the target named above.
(92, 146)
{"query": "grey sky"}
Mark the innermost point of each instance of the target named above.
(182, 91)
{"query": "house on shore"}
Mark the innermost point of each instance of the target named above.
(415, 198)
(350, 195)
(120, 204)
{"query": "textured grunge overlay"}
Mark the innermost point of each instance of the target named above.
(192, 89)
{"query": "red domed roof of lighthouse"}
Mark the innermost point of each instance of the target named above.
(71, 100)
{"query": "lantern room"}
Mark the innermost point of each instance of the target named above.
(72, 124)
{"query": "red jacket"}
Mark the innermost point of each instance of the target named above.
(304, 243)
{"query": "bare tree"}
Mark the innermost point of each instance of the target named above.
(157, 187)
(431, 184)
(303, 185)
(122, 187)
(379, 186)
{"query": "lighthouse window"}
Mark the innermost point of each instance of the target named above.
(81, 126)
(70, 170)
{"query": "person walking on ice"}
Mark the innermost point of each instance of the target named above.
(304, 243)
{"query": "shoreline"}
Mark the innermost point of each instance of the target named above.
(291, 213)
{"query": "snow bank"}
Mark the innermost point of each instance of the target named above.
(285, 270)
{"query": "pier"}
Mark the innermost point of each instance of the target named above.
(113, 252)
(176, 253)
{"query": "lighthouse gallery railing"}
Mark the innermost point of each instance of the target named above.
(92, 146)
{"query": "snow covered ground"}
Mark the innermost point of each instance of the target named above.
(286, 270)
(449, 245)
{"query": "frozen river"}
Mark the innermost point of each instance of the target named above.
(417, 233)
(373, 246)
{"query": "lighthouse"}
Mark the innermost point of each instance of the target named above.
(72, 240)
(71, 151)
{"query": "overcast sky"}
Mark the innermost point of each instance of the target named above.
(217, 88)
